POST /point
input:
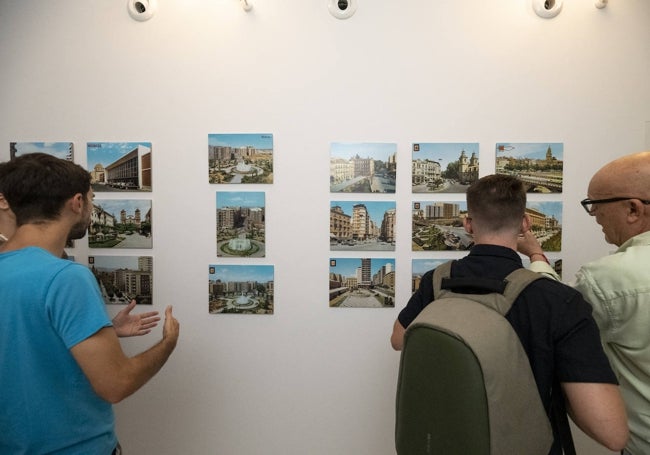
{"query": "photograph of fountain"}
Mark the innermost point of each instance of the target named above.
(240, 224)
(240, 158)
(243, 289)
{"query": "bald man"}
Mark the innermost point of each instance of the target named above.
(618, 285)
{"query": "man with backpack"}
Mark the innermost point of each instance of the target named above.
(552, 321)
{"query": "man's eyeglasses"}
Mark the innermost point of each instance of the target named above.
(588, 204)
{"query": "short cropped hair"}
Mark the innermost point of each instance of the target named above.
(497, 202)
(37, 185)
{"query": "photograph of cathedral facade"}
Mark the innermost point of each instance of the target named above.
(539, 165)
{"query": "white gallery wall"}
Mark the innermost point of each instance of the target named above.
(310, 379)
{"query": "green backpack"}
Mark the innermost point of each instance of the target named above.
(465, 384)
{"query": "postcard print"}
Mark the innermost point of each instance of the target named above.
(119, 166)
(120, 223)
(362, 167)
(63, 150)
(240, 158)
(539, 165)
(362, 282)
(124, 278)
(438, 226)
(362, 225)
(546, 220)
(421, 266)
(243, 289)
(444, 167)
(241, 222)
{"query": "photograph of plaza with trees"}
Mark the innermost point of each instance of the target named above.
(240, 158)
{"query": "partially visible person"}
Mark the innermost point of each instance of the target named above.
(553, 321)
(125, 323)
(618, 285)
(62, 364)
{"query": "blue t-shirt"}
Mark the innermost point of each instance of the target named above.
(47, 405)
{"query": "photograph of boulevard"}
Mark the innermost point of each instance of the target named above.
(241, 224)
(362, 283)
(120, 223)
(362, 225)
(438, 226)
(63, 150)
(444, 167)
(240, 158)
(539, 165)
(243, 289)
(124, 278)
(362, 167)
(119, 166)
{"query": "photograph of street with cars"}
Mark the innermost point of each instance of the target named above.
(362, 225)
(242, 289)
(362, 282)
(362, 167)
(444, 167)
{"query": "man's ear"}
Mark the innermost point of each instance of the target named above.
(635, 210)
(4, 205)
(77, 203)
(526, 223)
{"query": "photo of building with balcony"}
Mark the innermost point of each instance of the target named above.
(444, 167)
(539, 165)
(119, 166)
(362, 225)
(124, 278)
(362, 282)
(363, 167)
(240, 158)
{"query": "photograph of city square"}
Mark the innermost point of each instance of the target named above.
(444, 167)
(362, 225)
(119, 166)
(438, 226)
(243, 289)
(63, 150)
(120, 223)
(124, 278)
(362, 167)
(240, 158)
(241, 224)
(362, 282)
(539, 165)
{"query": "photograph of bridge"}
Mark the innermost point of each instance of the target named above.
(539, 165)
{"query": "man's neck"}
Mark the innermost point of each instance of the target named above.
(48, 236)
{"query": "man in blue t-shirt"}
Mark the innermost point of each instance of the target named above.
(62, 364)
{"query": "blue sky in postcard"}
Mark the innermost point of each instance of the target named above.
(106, 153)
(114, 206)
(240, 199)
(259, 141)
(116, 262)
(530, 150)
(58, 149)
(260, 273)
(376, 150)
(348, 266)
(376, 209)
(444, 152)
(548, 208)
